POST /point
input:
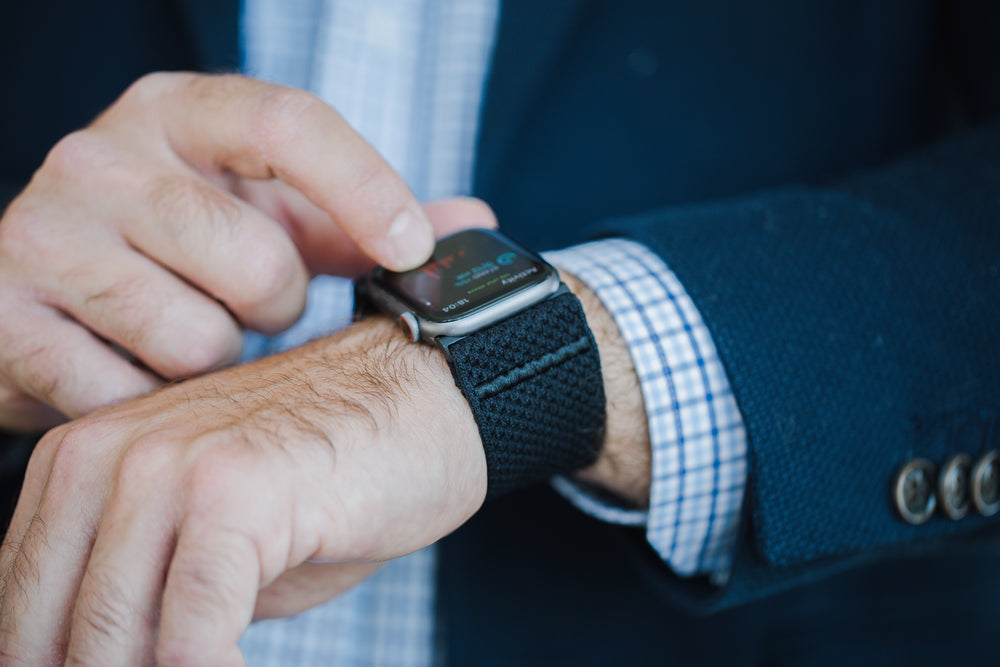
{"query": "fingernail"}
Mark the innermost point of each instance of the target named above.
(409, 242)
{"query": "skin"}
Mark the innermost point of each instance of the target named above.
(158, 527)
(171, 222)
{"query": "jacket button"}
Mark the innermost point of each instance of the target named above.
(953, 486)
(986, 483)
(913, 491)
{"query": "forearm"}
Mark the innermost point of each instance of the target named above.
(355, 447)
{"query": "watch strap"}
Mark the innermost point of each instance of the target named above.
(533, 382)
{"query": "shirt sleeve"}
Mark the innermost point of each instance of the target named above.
(699, 445)
(329, 308)
(699, 450)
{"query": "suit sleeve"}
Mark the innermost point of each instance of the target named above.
(858, 326)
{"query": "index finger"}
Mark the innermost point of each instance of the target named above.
(261, 130)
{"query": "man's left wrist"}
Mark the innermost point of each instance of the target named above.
(518, 345)
(624, 466)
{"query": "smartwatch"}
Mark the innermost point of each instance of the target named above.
(518, 345)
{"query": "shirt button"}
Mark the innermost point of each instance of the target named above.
(986, 483)
(953, 486)
(913, 491)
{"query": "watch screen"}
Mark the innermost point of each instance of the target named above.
(468, 270)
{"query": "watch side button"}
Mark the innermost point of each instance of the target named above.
(408, 323)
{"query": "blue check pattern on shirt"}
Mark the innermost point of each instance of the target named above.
(696, 431)
(367, 57)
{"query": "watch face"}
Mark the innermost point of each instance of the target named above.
(468, 271)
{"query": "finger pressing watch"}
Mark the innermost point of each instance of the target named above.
(518, 345)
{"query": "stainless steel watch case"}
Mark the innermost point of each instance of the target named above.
(439, 332)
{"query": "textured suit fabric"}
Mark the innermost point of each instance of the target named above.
(823, 179)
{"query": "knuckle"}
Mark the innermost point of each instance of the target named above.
(47, 447)
(70, 448)
(82, 163)
(215, 90)
(23, 232)
(206, 582)
(35, 367)
(213, 577)
(179, 337)
(144, 462)
(277, 119)
(151, 86)
(177, 653)
(78, 154)
(195, 211)
(224, 465)
(104, 618)
(14, 653)
(39, 230)
(82, 433)
(209, 474)
(43, 456)
(129, 309)
(104, 622)
(271, 270)
(182, 652)
(213, 341)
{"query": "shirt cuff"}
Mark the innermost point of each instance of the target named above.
(699, 448)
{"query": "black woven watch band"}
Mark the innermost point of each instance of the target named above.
(534, 384)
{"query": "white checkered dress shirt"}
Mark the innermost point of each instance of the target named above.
(408, 75)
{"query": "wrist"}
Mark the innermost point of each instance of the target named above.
(518, 345)
(623, 466)
(409, 394)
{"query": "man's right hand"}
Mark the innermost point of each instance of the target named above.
(146, 241)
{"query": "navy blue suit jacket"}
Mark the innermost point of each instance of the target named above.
(824, 178)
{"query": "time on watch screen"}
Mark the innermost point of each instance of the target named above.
(467, 270)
